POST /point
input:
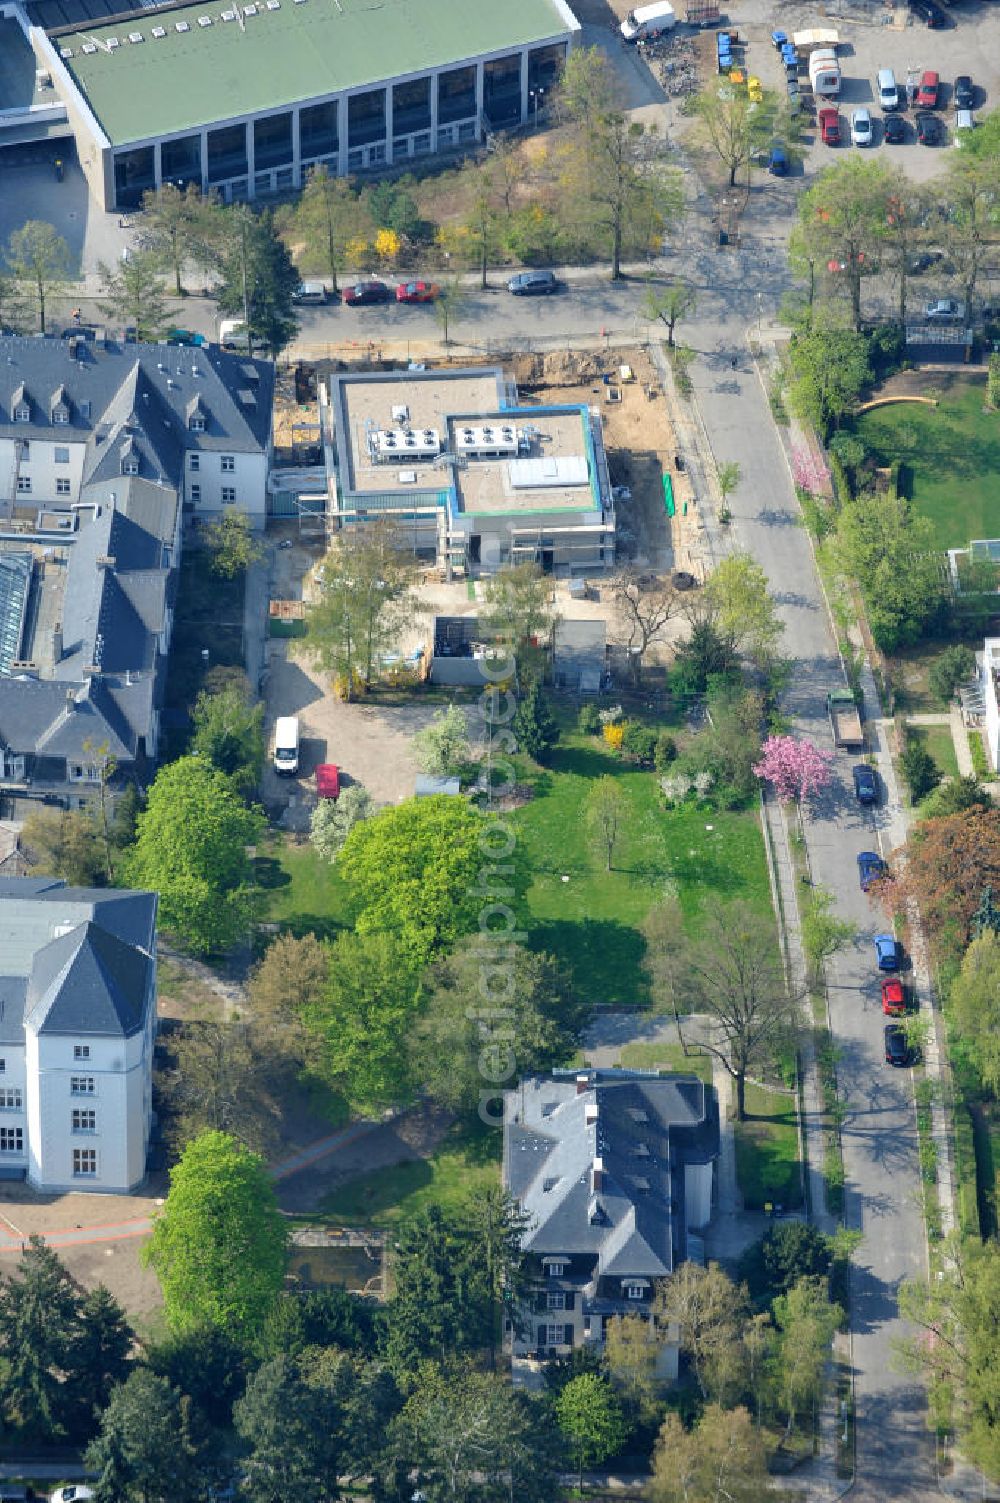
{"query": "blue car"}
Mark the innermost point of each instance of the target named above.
(777, 164)
(888, 953)
(870, 868)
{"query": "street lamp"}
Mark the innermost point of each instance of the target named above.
(536, 96)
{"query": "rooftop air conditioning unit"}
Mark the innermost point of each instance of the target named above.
(181, 26)
(136, 36)
(113, 42)
(401, 413)
(159, 31)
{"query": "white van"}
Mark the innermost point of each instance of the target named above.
(309, 292)
(888, 94)
(286, 745)
(648, 21)
(824, 72)
(233, 334)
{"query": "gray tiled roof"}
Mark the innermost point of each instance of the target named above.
(88, 982)
(643, 1130)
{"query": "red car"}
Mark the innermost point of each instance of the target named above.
(894, 999)
(327, 780)
(927, 94)
(417, 292)
(829, 127)
(367, 292)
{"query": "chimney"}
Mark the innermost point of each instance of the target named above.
(590, 1114)
(582, 1084)
(57, 642)
(597, 1176)
(106, 561)
(92, 670)
(71, 699)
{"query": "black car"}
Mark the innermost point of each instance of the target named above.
(894, 129)
(865, 784)
(964, 92)
(932, 15)
(533, 284)
(368, 292)
(897, 1050)
(928, 130)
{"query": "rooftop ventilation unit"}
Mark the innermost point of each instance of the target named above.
(159, 31)
(274, 4)
(229, 15)
(66, 52)
(249, 10)
(112, 43)
(204, 20)
(486, 441)
(401, 413)
(181, 26)
(403, 443)
(89, 47)
(136, 36)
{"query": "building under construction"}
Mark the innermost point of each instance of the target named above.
(477, 480)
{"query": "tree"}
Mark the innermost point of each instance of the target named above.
(831, 368)
(65, 843)
(38, 259)
(968, 212)
(216, 1086)
(950, 863)
(12, 312)
(517, 605)
(823, 934)
(954, 797)
(733, 973)
(412, 868)
(706, 654)
(144, 1449)
(733, 126)
(486, 1020)
(905, 231)
(796, 769)
(258, 278)
(218, 1245)
(535, 728)
(449, 303)
(955, 666)
(631, 1348)
(844, 219)
(440, 1305)
(669, 305)
(328, 217)
(133, 292)
(644, 609)
(624, 184)
(483, 221)
(787, 1252)
(605, 810)
(730, 745)
(975, 997)
(721, 1460)
(894, 558)
(291, 1433)
(191, 847)
(289, 979)
(708, 1310)
(233, 545)
(38, 1320)
(179, 225)
(442, 748)
(333, 819)
(363, 600)
(806, 1323)
(96, 1358)
(919, 769)
(589, 1414)
(207, 1365)
(727, 478)
(358, 1025)
(228, 733)
(746, 610)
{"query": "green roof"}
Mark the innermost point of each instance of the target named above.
(297, 51)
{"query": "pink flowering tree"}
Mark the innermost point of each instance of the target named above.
(809, 471)
(795, 769)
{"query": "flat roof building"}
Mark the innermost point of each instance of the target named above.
(244, 98)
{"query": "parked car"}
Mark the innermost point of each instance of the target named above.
(888, 952)
(310, 292)
(927, 93)
(964, 92)
(72, 1492)
(533, 284)
(894, 130)
(186, 337)
(931, 14)
(861, 128)
(417, 292)
(897, 1050)
(944, 310)
(895, 1000)
(829, 126)
(777, 161)
(865, 783)
(327, 780)
(928, 130)
(367, 292)
(871, 868)
(888, 90)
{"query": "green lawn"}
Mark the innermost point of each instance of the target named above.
(590, 917)
(937, 739)
(667, 1057)
(467, 1161)
(301, 892)
(950, 454)
(767, 1150)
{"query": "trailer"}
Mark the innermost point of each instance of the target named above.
(702, 13)
(808, 41)
(845, 721)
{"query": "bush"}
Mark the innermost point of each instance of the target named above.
(793, 1250)
(665, 751)
(955, 666)
(614, 734)
(639, 743)
(838, 474)
(588, 721)
(920, 771)
(993, 382)
(818, 515)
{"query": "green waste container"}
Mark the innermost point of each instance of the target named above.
(669, 505)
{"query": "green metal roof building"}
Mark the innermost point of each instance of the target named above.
(244, 98)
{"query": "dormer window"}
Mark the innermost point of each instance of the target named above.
(22, 414)
(20, 405)
(60, 414)
(555, 1270)
(196, 423)
(130, 465)
(635, 1288)
(59, 406)
(197, 416)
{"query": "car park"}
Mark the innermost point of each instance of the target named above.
(417, 292)
(895, 1000)
(533, 284)
(928, 91)
(894, 130)
(372, 291)
(871, 868)
(963, 94)
(861, 128)
(865, 783)
(888, 952)
(944, 310)
(829, 127)
(928, 130)
(897, 1049)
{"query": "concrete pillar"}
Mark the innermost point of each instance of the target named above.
(342, 124)
(158, 164)
(204, 161)
(251, 185)
(524, 84)
(296, 149)
(388, 123)
(435, 76)
(480, 96)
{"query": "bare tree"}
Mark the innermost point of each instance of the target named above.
(645, 606)
(605, 812)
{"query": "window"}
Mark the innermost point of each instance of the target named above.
(556, 1270)
(84, 1161)
(24, 485)
(60, 454)
(85, 1121)
(130, 466)
(3, 1066)
(62, 487)
(60, 415)
(554, 1335)
(635, 1291)
(196, 423)
(228, 495)
(10, 1099)
(22, 415)
(84, 772)
(11, 1139)
(195, 492)
(228, 463)
(81, 1051)
(556, 1300)
(194, 461)
(81, 1085)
